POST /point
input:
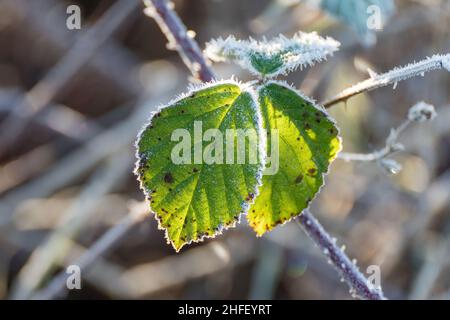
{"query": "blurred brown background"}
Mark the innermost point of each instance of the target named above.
(71, 105)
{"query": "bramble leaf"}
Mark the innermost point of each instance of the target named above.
(275, 57)
(308, 142)
(192, 196)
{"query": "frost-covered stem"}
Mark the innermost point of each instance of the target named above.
(178, 37)
(359, 285)
(391, 146)
(56, 286)
(391, 78)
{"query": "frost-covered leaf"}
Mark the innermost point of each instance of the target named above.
(199, 197)
(308, 141)
(275, 57)
(364, 16)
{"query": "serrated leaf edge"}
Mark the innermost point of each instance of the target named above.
(320, 108)
(245, 205)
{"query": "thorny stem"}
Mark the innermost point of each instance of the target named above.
(391, 78)
(359, 286)
(173, 28)
(179, 39)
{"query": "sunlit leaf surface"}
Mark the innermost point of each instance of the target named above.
(196, 199)
(308, 142)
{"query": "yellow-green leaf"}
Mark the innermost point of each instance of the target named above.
(307, 143)
(197, 198)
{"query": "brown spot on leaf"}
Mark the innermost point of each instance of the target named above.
(320, 114)
(168, 178)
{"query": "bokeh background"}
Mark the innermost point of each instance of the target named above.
(72, 102)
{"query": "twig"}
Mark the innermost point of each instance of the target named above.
(60, 75)
(391, 78)
(170, 271)
(266, 272)
(84, 158)
(420, 112)
(359, 285)
(47, 119)
(104, 275)
(391, 147)
(75, 163)
(111, 60)
(137, 213)
(179, 38)
(435, 260)
(175, 270)
(46, 257)
(39, 159)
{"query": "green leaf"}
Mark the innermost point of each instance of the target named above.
(267, 64)
(272, 58)
(307, 143)
(356, 13)
(195, 199)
